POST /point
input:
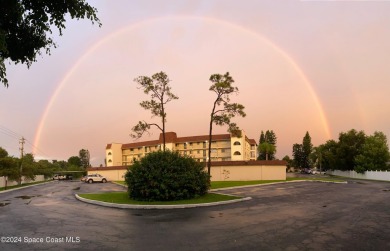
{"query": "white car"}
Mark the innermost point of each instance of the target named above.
(95, 178)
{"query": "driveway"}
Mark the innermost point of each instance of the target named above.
(289, 216)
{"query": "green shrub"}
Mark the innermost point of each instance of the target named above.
(165, 176)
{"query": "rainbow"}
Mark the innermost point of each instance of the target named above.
(133, 26)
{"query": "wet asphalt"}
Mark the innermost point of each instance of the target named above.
(288, 216)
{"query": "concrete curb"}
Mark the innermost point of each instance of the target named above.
(274, 183)
(182, 206)
(19, 188)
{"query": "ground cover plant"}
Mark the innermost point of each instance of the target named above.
(166, 176)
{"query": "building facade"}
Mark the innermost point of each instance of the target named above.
(224, 147)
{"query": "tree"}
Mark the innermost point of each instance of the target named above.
(25, 27)
(223, 111)
(74, 161)
(307, 148)
(297, 155)
(374, 154)
(84, 157)
(267, 142)
(267, 149)
(160, 92)
(9, 168)
(329, 155)
(29, 166)
(3, 153)
(349, 146)
(288, 160)
(316, 156)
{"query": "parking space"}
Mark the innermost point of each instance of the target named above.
(289, 216)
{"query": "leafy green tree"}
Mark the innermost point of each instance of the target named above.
(329, 155)
(84, 157)
(44, 167)
(267, 149)
(288, 160)
(297, 155)
(3, 153)
(223, 110)
(9, 168)
(29, 166)
(267, 142)
(374, 154)
(349, 146)
(25, 27)
(307, 148)
(160, 91)
(74, 161)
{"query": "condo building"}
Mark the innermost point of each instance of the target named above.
(224, 147)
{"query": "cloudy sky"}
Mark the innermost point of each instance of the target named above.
(317, 66)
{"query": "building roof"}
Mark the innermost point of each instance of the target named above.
(214, 163)
(171, 137)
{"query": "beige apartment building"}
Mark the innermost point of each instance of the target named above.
(224, 147)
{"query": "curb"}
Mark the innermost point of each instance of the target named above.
(19, 188)
(182, 206)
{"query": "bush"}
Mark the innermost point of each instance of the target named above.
(166, 176)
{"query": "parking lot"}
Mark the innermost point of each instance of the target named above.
(288, 216)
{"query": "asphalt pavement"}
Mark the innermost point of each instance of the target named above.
(287, 216)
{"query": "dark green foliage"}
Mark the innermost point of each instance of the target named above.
(267, 145)
(302, 152)
(74, 161)
(307, 148)
(25, 27)
(297, 155)
(328, 155)
(349, 146)
(374, 154)
(84, 157)
(164, 176)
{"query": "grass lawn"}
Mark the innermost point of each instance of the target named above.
(123, 198)
(23, 185)
(225, 184)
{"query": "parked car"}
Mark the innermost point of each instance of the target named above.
(84, 178)
(307, 171)
(316, 171)
(62, 177)
(91, 178)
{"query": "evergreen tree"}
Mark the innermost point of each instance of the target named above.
(297, 155)
(307, 148)
(267, 145)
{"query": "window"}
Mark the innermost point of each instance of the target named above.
(109, 160)
(185, 145)
(222, 150)
(109, 153)
(190, 144)
(198, 151)
(237, 143)
(131, 149)
(236, 153)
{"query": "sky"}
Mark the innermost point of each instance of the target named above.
(316, 66)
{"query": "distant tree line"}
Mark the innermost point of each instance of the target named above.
(354, 150)
(10, 165)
